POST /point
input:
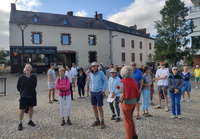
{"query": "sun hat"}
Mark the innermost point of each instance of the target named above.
(94, 64)
(197, 66)
(113, 70)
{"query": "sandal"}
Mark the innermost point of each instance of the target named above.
(138, 117)
(145, 114)
(148, 115)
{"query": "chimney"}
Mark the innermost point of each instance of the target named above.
(134, 27)
(100, 16)
(95, 16)
(143, 30)
(70, 13)
(13, 7)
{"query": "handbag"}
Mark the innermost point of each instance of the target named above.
(179, 92)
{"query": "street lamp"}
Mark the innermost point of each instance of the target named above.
(22, 27)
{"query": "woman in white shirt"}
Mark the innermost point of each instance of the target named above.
(70, 75)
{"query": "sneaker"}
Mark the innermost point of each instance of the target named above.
(87, 95)
(113, 117)
(158, 107)
(118, 119)
(173, 116)
(166, 109)
(151, 103)
(69, 122)
(182, 100)
(102, 125)
(79, 97)
(196, 87)
(50, 101)
(55, 100)
(189, 101)
(20, 127)
(96, 123)
(179, 117)
(63, 123)
(31, 123)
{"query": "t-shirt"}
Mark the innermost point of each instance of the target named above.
(74, 70)
(137, 75)
(162, 72)
(197, 72)
(52, 74)
(69, 74)
(147, 80)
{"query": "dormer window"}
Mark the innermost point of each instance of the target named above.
(35, 19)
(65, 22)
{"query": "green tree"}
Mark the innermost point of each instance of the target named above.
(172, 32)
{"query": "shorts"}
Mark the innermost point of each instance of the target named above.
(88, 84)
(96, 98)
(186, 87)
(138, 98)
(50, 85)
(27, 102)
(197, 79)
(162, 89)
(74, 79)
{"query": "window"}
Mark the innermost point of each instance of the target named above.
(140, 56)
(35, 19)
(123, 57)
(65, 22)
(123, 42)
(65, 39)
(133, 57)
(150, 46)
(132, 43)
(37, 37)
(92, 56)
(140, 45)
(92, 40)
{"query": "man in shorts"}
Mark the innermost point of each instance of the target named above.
(98, 85)
(51, 74)
(26, 85)
(162, 75)
(137, 75)
(197, 76)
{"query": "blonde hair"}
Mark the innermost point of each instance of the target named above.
(62, 69)
(126, 71)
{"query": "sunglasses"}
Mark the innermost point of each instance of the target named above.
(175, 69)
(133, 65)
(162, 65)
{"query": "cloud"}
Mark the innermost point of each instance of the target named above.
(82, 13)
(5, 14)
(143, 13)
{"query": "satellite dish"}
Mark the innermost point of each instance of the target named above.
(195, 1)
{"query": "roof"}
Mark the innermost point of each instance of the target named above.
(26, 17)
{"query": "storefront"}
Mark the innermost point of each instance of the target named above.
(38, 57)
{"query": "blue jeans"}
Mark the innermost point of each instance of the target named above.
(145, 99)
(176, 106)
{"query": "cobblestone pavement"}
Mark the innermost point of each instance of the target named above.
(47, 118)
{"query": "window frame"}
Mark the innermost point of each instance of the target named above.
(94, 39)
(141, 57)
(140, 44)
(133, 57)
(89, 56)
(123, 56)
(123, 42)
(69, 38)
(33, 37)
(132, 43)
(150, 46)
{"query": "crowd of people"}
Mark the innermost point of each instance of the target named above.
(125, 84)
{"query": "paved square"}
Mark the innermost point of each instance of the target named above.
(47, 118)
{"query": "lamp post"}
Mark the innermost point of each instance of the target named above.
(22, 27)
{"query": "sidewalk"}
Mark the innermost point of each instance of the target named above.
(47, 118)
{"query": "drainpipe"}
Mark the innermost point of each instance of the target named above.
(110, 42)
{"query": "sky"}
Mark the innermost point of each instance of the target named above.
(143, 13)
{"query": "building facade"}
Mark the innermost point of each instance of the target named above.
(195, 36)
(79, 40)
